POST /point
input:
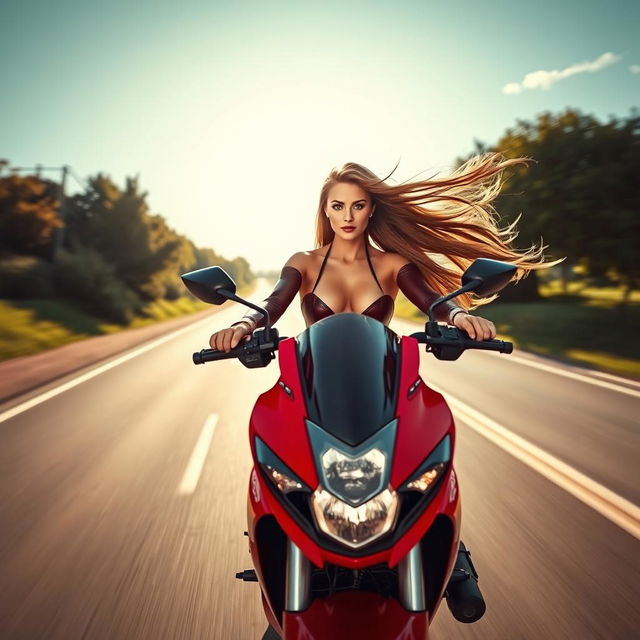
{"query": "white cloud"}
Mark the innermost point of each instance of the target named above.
(634, 68)
(544, 79)
(512, 87)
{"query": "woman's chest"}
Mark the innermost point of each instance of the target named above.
(349, 287)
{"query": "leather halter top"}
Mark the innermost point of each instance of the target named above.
(314, 309)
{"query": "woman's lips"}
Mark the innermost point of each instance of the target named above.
(347, 229)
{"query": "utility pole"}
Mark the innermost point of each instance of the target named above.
(58, 234)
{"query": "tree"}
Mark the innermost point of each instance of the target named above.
(140, 246)
(28, 215)
(579, 194)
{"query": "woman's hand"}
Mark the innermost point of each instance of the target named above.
(228, 339)
(477, 328)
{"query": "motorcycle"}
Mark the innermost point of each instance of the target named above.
(353, 501)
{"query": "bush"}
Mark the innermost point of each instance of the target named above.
(175, 289)
(87, 279)
(23, 277)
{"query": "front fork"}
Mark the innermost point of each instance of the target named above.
(411, 580)
(298, 580)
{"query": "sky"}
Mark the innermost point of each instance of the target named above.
(232, 114)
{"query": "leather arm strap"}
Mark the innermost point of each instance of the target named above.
(276, 303)
(412, 284)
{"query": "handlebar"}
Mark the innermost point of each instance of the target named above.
(445, 342)
(448, 343)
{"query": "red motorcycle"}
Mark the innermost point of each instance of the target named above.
(353, 507)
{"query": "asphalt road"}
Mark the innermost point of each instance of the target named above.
(100, 539)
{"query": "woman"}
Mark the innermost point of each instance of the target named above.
(429, 231)
(425, 250)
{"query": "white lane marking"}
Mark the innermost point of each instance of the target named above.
(610, 376)
(198, 456)
(47, 395)
(576, 376)
(615, 508)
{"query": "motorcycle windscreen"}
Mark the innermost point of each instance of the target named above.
(350, 370)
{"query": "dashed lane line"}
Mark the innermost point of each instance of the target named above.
(198, 456)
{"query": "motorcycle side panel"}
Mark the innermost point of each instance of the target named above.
(258, 507)
(423, 417)
(278, 419)
(356, 614)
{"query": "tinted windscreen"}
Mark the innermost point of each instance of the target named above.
(349, 369)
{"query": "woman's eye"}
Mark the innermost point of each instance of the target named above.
(336, 206)
(359, 206)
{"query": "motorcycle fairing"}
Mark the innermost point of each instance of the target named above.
(266, 514)
(279, 419)
(423, 417)
(356, 615)
(349, 371)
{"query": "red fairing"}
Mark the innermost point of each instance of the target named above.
(423, 417)
(356, 614)
(279, 418)
(257, 507)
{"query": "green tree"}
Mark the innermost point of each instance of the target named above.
(139, 245)
(579, 194)
(238, 268)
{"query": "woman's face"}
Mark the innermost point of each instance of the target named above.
(348, 207)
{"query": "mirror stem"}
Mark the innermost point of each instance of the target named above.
(469, 286)
(235, 298)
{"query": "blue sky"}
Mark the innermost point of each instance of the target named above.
(233, 113)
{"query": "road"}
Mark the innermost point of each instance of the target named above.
(99, 538)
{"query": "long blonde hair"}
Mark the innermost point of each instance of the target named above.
(442, 240)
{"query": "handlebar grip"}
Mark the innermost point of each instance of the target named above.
(209, 355)
(507, 347)
(489, 345)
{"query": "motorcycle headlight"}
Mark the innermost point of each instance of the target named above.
(280, 475)
(354, 526)
(426, 480)
(281, 480)
(354, 479)
(428, 474)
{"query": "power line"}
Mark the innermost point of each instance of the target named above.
(81, 182)
(38, 169)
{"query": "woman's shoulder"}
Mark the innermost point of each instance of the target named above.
(301, 260)
(393, 262)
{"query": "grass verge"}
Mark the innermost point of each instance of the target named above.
(31, 326)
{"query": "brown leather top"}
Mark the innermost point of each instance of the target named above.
(314, 309)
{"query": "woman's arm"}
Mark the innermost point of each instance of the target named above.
(412, 284)
(281, 296)
(410, 281)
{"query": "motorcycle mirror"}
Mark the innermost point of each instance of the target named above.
(210, 284)
(487, 276)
